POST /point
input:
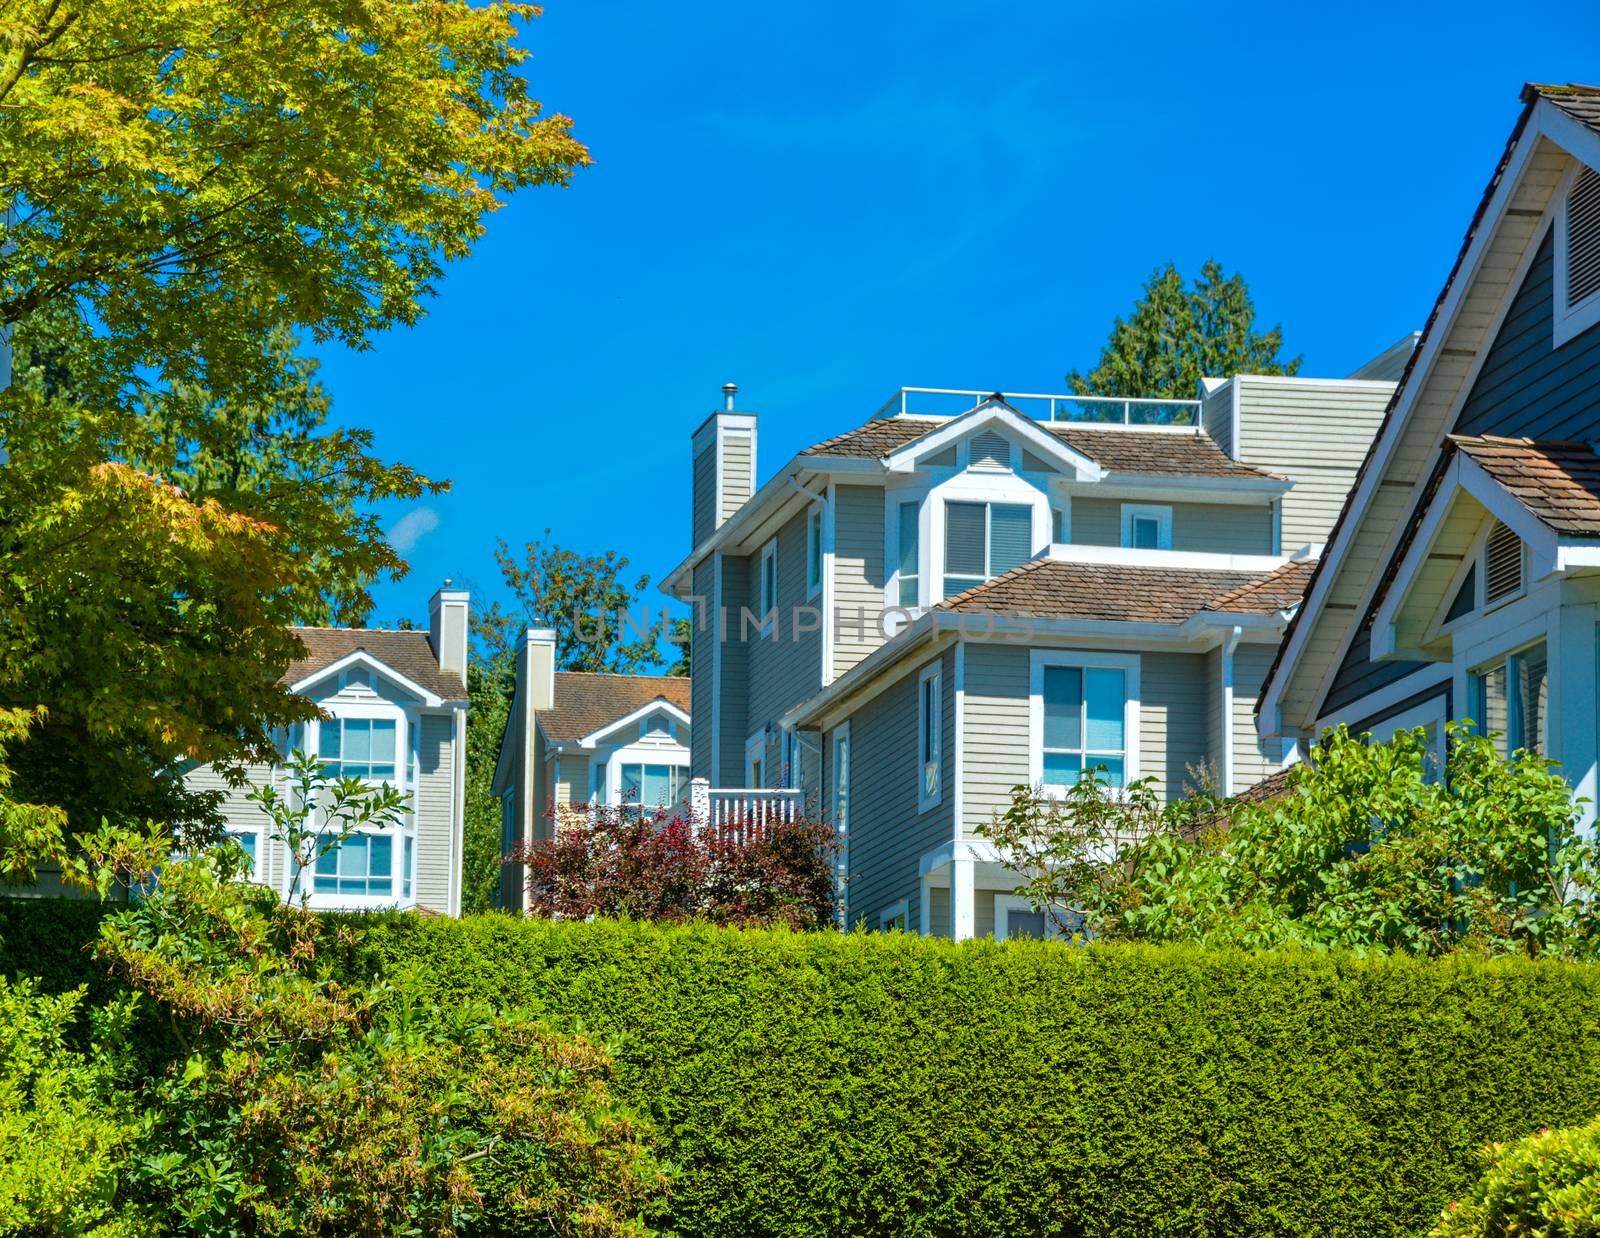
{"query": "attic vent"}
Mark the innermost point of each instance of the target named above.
(990, 451)
(1583, 237)
(1502, 564)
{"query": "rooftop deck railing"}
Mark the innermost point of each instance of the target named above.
(1087, 409)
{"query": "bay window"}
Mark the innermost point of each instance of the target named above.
(1511, 699)
(358, 748)
(362, 864)
(651, 786)
(984, 540)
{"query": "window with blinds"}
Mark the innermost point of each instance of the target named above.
(1583, 237)
(1502, 564)
(908, 554)
(989, 450)
(984, 540)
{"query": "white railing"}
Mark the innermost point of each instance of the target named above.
(1088, 409)
(742, 812)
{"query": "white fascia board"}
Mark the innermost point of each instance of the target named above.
(1574, 553)
(361, 657)
(597, 737)
(1382, 638)
(1170, 560)
(1043, 443)
(1302, 380)
(1392, 430)
(1574, 137)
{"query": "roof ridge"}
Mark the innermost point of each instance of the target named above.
(622, 675)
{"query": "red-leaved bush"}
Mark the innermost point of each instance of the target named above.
(656, 866)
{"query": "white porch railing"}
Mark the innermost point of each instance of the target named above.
(743, 812)
(1090, 409)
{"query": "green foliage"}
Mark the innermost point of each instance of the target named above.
(1545, 1185)
(489, 688)
(315, 812)
(819, 1084)
(1176, 336)
(66, 1129)
(601, 622)
(1370, 849)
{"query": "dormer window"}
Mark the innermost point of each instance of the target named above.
(1146, 527)
(984, 540)
(989, 450)
(1577, 254)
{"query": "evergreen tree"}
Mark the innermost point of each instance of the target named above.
(1176, 336)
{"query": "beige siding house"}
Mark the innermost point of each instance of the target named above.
(394, 709)
(888, 627)
(575, 740)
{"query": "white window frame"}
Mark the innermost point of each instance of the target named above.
(930, 725)
(1568, 321)
(755, 749)
(258, 862)
(900, 909)
(1481, 662)
(841, 783)
(896, 504)
(1159, 512)
(814, 549)
(767, 602)
(1043, 659)
(1005, 904)
(988, 506)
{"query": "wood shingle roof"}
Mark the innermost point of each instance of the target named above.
(1559, 482)
(406, 651)
(585, 701)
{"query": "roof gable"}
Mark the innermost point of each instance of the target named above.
(1500, 247)
(586, 703)
(405, 652)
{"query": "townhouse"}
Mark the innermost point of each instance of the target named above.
(576, 740)
(393, 710)
(1462, 579)
(969, 592)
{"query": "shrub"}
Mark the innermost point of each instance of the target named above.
(1546, 1185)
(621, 861)
(822, 1084)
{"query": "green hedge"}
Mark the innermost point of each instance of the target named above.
(826, 1084)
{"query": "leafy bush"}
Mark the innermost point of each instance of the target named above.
(621, 861)
(822, 1084)
(1370, 848)
(1546, 1185)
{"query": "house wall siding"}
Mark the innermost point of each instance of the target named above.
(702, 689)
(238, 813)
(1253, 757)
(732, 686)
(1216, 416)
(1216, 528)
(435, 795)
(1314, 433)
(703, 494)
(859, 574)
(738, 471)
(783, 668)
(888, 836)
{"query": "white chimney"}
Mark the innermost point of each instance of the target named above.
(723, 473)
(447, 628)
(541, 643)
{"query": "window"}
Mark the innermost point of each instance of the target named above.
(651, 786)
(1511, 699)
(1502, 565)
(361, 864)
(406, 867)
(1058, 526)
(1145, 527)
(814, 552)
(249, 840)
(930, 737)
(790, 774)
(984, 540)
(989, 451)
(1085, 710)
(1016, 917)
(358, 747)
(1577, 256)
(508, 826)
(767, 599)
(908, 554)
(755, 760)
(895, 918)
(597, 773)
(841, 780)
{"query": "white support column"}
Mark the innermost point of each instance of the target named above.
(963, 901)
(1225, 761)
(699, 804)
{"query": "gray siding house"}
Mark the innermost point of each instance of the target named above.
(394, 710)
(1465, 565)
(897, 625)
(575, 740)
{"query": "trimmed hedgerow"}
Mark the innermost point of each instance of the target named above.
(822, 1084)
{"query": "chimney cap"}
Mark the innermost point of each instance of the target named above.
(729, 390)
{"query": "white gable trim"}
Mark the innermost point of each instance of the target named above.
(361, 657)
(1547, 122)
(1043, 444)
(638, 715)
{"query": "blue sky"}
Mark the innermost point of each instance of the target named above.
(824, 202)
